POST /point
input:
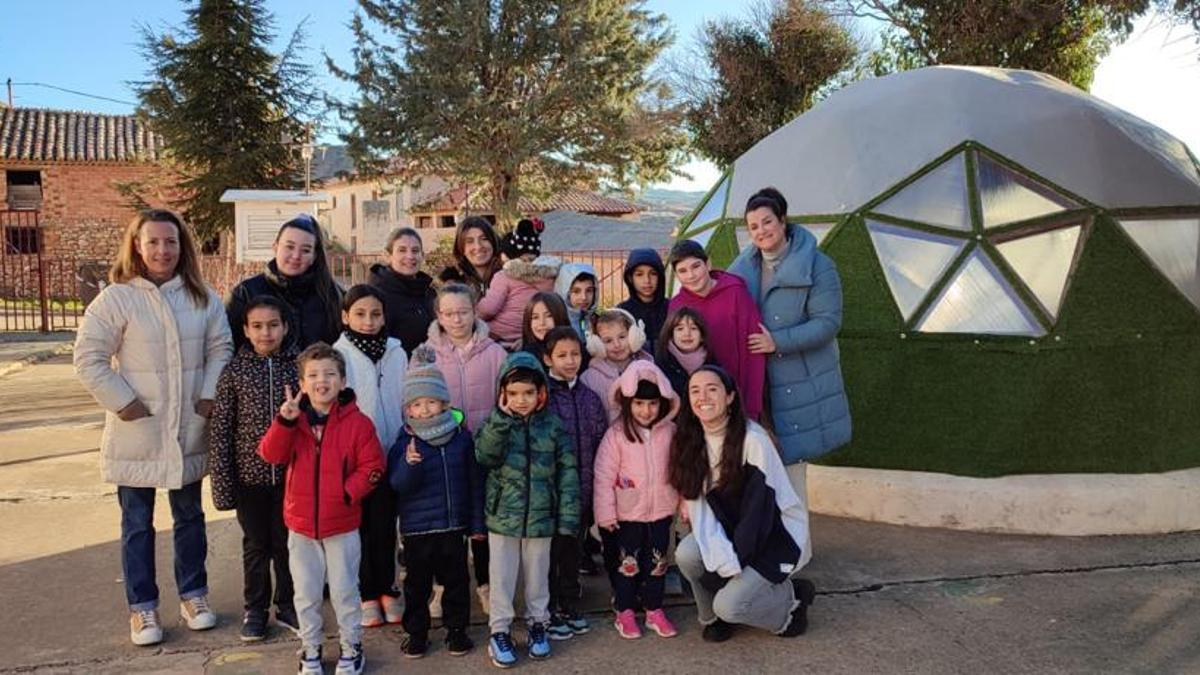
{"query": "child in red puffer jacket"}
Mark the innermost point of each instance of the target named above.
(333, 460)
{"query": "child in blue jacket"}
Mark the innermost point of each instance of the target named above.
(439, 499)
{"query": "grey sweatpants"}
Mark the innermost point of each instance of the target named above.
(746, 599)
(311, 562)
(513, 556)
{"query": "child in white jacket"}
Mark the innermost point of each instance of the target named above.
(375, 367)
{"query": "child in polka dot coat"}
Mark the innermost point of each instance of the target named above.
(249, 393)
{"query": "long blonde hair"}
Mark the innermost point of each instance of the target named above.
(129, 265)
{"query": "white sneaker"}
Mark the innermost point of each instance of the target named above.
(310, 661)
(435, 602)
(144, 628)
(352, 661)
(197, 613)
(485, 598)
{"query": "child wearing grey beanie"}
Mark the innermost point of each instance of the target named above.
(432, 423)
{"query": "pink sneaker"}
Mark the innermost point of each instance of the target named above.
(658, 622)
(372, 614)
(627, 625)
(393, 609)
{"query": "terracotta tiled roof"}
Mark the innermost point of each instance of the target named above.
(580, 201)
(63, 136)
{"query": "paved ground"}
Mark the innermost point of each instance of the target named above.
(893, 599)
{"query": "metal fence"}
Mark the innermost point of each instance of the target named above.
(39, 293)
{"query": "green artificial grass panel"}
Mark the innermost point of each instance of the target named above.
(723, 246)
(1115, 291)
(867, 303)
(995, 409)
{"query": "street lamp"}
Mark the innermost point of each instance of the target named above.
(305, 145)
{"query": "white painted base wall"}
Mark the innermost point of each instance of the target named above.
(1062, 504)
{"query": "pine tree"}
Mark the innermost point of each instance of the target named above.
(512, 98)
(223, 103)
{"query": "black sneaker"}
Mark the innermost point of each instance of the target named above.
(558, 629)
(717, 631)
(805, 592)
(414, 646)
(286, 617)
(539, 645)
(576, 622)
(457, 642)
(254, 625)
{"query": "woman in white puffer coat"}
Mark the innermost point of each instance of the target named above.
(150, 350)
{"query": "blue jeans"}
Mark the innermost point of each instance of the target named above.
(137, 544)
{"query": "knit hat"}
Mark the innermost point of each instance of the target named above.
(526, 238)
(423, 377)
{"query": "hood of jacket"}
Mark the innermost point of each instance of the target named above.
(637, 371)
(567, 275)
(389, 280)
(645, 256)
(541, 268)
(344, 405)
(523, 360)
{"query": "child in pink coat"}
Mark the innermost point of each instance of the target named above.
(634, 501)
(615, 342)
(525, 273)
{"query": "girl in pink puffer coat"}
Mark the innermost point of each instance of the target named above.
(467, 357)
(634, 501)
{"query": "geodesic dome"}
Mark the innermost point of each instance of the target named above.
(1020, 265)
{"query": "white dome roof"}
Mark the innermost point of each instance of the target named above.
(871, 135)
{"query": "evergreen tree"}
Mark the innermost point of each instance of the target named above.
(223, 103)
(511, 98)
(762, 73)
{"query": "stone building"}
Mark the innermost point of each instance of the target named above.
(61, 169)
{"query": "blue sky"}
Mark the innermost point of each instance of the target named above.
(91, 46)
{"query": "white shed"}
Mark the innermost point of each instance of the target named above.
(257, 215)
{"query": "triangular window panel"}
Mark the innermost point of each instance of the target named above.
(1043, 262)
(1173, 245)
(1008, 197)
(937, 198)
(912, 261)
(713, 209)
(979, 300)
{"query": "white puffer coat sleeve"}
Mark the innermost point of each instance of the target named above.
(155, 344)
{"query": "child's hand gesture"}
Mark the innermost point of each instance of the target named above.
(411, 454)
(502, 404)
(290, 409)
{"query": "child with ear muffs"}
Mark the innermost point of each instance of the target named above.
(615, 342)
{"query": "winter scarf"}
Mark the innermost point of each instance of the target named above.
(436, 430)
(689, 360)
(373, 346)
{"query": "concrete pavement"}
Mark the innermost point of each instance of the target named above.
(892, 599)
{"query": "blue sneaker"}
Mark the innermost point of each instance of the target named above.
(539, 642)
(500, 648)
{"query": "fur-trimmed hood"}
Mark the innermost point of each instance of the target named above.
(542, 267)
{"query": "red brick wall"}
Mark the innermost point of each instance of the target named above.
(82, 213)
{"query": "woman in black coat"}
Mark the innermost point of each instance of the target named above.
(408, 292)
(299, 276)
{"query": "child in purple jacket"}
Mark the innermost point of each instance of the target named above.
(585, 420)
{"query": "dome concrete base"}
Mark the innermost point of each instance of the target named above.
(1057, 504)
